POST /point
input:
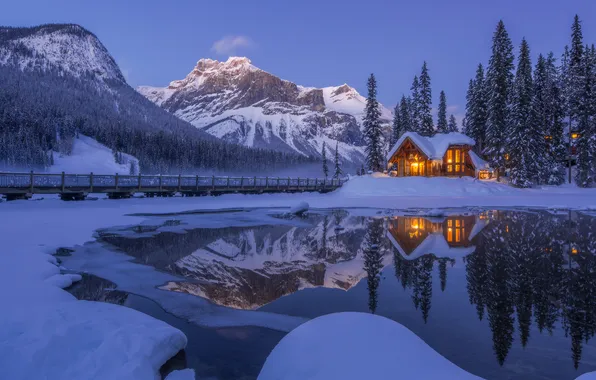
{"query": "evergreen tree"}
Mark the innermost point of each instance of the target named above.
(405, 106)
(397, 126)
(452, 125)
(523, 139)
(546, 120)
(324, 157)
(415, 105)
(372, 128)
(426, 127)
(499, 80)
(442, 114)
(338, 172)
(585, 112)
(476, 109)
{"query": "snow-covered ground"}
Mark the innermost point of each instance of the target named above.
(88, 155)
(356, 346)
(44, 320)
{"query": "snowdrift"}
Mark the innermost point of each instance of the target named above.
(356, 346)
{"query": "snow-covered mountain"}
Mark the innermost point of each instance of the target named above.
(66, 49)
(240, 103)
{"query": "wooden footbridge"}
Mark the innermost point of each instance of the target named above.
(77, 186)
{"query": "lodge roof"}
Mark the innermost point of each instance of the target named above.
(433, 147)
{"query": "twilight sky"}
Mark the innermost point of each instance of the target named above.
(315, 42)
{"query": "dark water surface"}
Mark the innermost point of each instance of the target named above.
(502, 294)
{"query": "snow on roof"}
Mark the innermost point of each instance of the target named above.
(436, 244)
(433, 147)
(478, 162)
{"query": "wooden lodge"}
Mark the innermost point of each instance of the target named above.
(444, 154)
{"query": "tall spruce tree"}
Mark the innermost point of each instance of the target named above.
(324, 158)
(442, 114)
(476, 109)
(585, 113)
(499, 80)
(415, 105)
(337, 172)
(426, 127)
(397, 125)
(523, 139)
(546, 120)
(452, 125)
(372, 128)
(405, 106)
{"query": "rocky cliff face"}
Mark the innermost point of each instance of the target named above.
(240, 103)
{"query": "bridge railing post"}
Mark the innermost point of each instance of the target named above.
(31, 182)
(254, 182)
(160, 183)
(140, 182)
(63, 184)
(266, 182)
(197, 183)
(91, 182)
(212, 182)
(179, 182)
(228, 182)
(242, 182)
(288, 183)
(116, 181)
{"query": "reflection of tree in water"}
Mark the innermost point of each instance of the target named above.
(416, 275)
(532, 265)
(373, 260)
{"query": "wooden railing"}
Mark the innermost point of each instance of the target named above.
(14, 184)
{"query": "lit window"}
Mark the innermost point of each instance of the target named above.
(457, 168)
(450, 223)
(457, 156)
(458, 223)
(449, 168)
(457, 235)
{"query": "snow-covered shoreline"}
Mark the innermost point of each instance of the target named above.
(30, 280)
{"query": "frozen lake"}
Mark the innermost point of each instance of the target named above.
(502, 294)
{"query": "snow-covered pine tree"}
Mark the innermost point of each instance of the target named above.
(415, 105)
(499, 80)
(337, 172)
(546, 121)
(372, 128)
(479, 108)
(405, 106)
(521, 143)
(585, 111)
(396, 127)
(452, 125)
(324, 157)
(426, 127)
(468, 118)
(442, 114)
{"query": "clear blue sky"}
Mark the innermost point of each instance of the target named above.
(316, 42)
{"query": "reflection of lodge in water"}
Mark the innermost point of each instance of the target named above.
(450, 236)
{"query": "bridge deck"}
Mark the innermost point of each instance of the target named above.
(23, 185)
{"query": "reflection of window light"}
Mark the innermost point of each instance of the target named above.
(574, 251)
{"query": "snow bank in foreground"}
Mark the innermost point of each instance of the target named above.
(84, 340)
(88, 155)
(356, 346)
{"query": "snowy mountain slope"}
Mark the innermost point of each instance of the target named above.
(240, 103)
(88, 155)
(67, 49)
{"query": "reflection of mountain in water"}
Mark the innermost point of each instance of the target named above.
(247, 267)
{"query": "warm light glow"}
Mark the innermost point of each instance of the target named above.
(449, 161)
(414, 164)
(574, 251)
(575, 135)
(450, 229)
(507, 156)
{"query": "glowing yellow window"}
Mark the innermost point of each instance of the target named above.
(449, 168)
(458, 223)
(450, 235)
(457, 156)
(457, 168)
(450, 223)
(457, 235)
(449, 156)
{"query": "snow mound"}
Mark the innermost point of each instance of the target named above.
(185, 374)
(84, 340)
(356, 346)
(88, 155)
(434, 147)
(299, 209)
